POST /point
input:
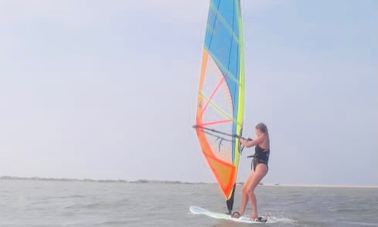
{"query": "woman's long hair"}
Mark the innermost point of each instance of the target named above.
(262, 127)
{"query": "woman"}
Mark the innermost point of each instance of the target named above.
(260, 168)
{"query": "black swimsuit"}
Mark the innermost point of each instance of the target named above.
(260, 156)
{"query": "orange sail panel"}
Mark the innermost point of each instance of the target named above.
(220, 101)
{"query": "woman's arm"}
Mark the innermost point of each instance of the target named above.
(251, 143)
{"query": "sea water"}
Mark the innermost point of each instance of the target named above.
(91, 203)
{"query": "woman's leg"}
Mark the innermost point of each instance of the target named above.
(260, 172)
(245, 193)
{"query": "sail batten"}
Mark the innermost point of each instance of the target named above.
(220, 100)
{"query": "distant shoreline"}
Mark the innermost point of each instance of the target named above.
(321, 186)
(140, 181)
(143, 181)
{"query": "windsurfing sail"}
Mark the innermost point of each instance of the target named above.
(220, 101)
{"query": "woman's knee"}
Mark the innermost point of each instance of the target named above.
(245, 190)
(251, 191)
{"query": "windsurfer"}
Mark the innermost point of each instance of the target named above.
(260, 169)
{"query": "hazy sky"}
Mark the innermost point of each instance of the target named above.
(107, 89)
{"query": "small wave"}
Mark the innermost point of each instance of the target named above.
(107, 223)
(86, 206)
(352, 210)
(360, 223)
(71, 197)
(99, 205)
(272, 219)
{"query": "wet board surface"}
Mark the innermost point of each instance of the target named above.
(223, 216)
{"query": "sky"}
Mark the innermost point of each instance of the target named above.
(99, 90)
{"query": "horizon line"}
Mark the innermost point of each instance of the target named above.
(178, 182)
